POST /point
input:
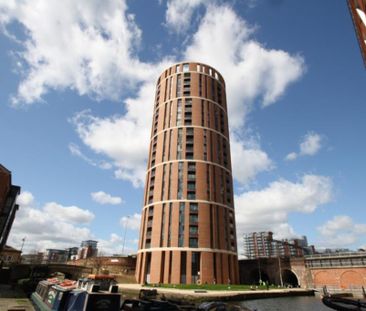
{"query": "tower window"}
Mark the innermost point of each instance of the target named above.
(181, 225)
(185, 67)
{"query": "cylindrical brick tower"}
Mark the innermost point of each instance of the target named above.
(187, 232)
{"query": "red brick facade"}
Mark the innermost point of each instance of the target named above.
(342, 278)
(188, 230)
(358, 13)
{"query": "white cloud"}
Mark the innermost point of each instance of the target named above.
(336, 224)
(132, 222)
(250, 70)
(71, 214)
(55, 226)
(25, 199)
(341, 231)
(105, 198)
(128, 153)
(291, 156)
(309, 146)
(252, 73)
(90, 48)
(178, 15)
(115, 245)
(268, 209)
(75, 150)
(49, 226)
(87, 46)
(248, 159)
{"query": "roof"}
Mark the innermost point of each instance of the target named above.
(8, 248)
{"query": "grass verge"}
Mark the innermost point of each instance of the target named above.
(212, 287)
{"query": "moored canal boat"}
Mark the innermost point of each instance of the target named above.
(69, 295)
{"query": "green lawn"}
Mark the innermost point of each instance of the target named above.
(212, 286)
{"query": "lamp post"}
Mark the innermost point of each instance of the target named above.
(124, 235)
(259, 271)
(280, 271)
(23, 241)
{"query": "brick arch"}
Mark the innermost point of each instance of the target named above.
(327, 278)
(290, 277)
(351, 278)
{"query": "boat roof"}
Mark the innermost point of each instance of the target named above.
(100, 277)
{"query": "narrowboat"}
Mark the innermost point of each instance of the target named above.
(82, 295)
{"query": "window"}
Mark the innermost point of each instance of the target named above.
(193, 242)
(191, 176)
(151, 186)
(195, 268)
(181, 224)
(185, 67)
(179, 112)
(191, 195)
(219, 94)
(163, 183)
(188, 112)
(183, 267)
(193, 219)
(193, 230)
(169, 224)
(162, 229)
(200, 85)
(189, 143)
(170, 114)
(177, 69)
(208, 181)
(179, 145)
(170, 144)
(191, 167)
(165, 116)
(187, 84)
(205, 144)
(180, 180)
(170, 181)
(170, 87)
(198, 68)
(191, 185)
(193, 207)
(179, 86)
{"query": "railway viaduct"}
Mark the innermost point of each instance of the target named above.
(337, 271)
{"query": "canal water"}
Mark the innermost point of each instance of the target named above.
(284, 304)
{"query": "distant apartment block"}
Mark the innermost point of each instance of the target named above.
(9, 256)
(88, 249)
(55, 256)
(72, 253)
(35, 258)
(8, 206)
(262, 245)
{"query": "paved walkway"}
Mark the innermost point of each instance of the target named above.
(217, 294)
(16, 304)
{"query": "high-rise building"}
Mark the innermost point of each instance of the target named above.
(262, 245)
(358, 13)
(8, 206)
(187, 232)
(53, 255)
(88, 249)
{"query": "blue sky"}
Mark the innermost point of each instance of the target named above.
(76, 98)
